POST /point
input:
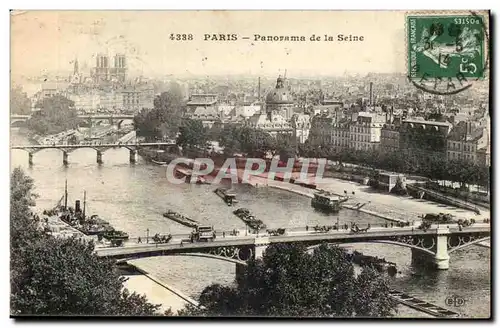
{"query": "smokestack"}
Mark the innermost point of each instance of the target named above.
(77, 206)
(259, 90)
(371, 94)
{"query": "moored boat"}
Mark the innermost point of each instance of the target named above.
(227, 195)
(179, 218)
(77, 218)
(328, 202)
(246, 216)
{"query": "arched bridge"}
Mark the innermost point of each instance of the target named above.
(433, 245)
(111, 118)
(100, 148)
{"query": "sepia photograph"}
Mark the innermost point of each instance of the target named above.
(250, 164)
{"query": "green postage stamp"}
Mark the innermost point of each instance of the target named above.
(446, 52)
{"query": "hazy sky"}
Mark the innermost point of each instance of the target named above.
(50, 40)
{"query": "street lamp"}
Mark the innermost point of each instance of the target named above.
(147, 236)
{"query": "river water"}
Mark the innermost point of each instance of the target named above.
(133, 197)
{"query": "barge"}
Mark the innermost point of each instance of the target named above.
(327, 201)
(179, 218)
(250, 220)
(227, 196)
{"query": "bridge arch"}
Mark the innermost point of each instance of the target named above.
(391, 242)
(202, 255)
(465, 245)
(17, 123)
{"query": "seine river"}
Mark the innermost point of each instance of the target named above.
(133, 197)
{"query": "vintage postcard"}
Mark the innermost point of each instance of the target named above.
(308, 164)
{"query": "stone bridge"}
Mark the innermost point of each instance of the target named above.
(100, 148)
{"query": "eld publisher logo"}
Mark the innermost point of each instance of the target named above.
(455, 301)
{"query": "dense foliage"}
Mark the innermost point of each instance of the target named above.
(19, 101)
(164, 119)
(192, 134)
(57, 114)
(55, 276)
(289, 281)
(429, 165)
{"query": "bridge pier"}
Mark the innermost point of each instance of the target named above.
(99, 157)
(441, 259)
(30, 159)
(133, 156)
(260, 246)
(65, 158)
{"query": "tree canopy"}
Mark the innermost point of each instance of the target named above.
(164, 119)
(289, 281)
(19, 101)
(57, 114)
(57, 276)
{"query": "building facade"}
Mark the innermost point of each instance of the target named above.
(465, 140)
(424, 137)
(389, 137)
(365, 131)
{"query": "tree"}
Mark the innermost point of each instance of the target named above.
(56, 276)
(288, 281)
(57, 114)
(19, 101)
(164, 119)
(192, 134)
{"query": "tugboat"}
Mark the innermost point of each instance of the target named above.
(77, 218)
(179, 218)
(226, 195)
(250, 220)
(328, 202)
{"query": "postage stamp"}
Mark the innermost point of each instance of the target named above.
(446, 52)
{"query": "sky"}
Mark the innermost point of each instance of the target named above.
(51, 40)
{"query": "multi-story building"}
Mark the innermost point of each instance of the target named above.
(277, 126)
(389, 137)
(208, 116)
(424, 137)
(202, 100)
(465, 140)
(365, 131)
(321, 129)
(340, 135)
(137, 97)
(86, 102)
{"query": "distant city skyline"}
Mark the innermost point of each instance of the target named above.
(49, 41)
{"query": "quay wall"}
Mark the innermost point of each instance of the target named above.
(166, 286)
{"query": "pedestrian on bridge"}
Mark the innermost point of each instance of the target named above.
(223, 234)
(139, 240)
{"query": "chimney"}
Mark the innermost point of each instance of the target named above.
(77, 206)
(469, 128)
(259, 90)
(371, 94)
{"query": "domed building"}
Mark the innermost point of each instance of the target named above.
(279, 101)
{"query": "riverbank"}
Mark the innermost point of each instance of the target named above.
(383, 205)
(157, 291)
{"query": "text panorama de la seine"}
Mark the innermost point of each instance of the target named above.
(269, 38)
